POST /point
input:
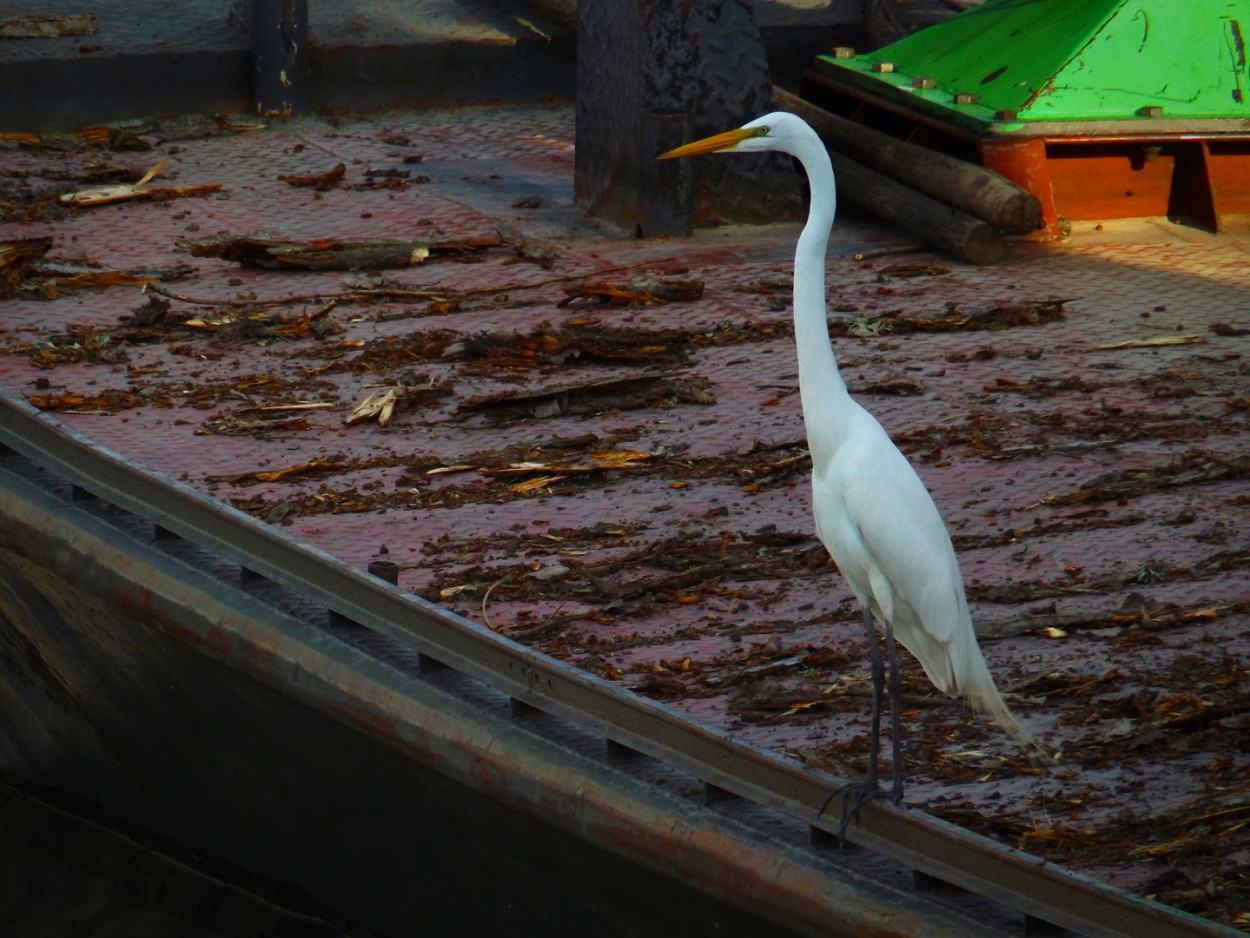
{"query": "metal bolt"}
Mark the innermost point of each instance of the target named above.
(967, 98)
(1150, 110)
(923, 83)
(883, 67)
(1006, 114)
(843, 52)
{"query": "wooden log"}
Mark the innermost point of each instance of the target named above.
(971, 239)
(974, 189)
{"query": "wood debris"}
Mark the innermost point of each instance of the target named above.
(383, 404)
(245, 322)
(24, 267)
(51, 277)
(1191, 468)
(315, 467)
(911, 270)
(394, 179)
(318, 180)
(328, 253)
(448, 470)
(81, 344)
(1228, 329)
(287, 408)
(526, 248)
(548, 472)
(125, 192)
(234, 425)
(72, 402)
(589, 396)
(1033, 313)
(115, 138)
(536, 484)
(899, 387)
(576, 340)
(1040, 386)
(17, 257)
(380, 405)
(136, 135)
(1153, 341)
(467, 247)
(650, 293)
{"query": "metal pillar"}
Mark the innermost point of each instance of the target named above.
(652, 75)
(280, 56)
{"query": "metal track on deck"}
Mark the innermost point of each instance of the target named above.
(925, 844)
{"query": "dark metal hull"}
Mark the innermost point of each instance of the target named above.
(139, 685)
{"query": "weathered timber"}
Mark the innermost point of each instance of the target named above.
(968, 238)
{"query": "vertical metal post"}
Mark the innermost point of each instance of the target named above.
(652, 74)
(280, 55)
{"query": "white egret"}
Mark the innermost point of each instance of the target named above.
(872, 512)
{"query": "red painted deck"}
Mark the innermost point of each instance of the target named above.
(1092, 468)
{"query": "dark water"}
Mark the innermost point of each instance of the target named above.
(64, 874)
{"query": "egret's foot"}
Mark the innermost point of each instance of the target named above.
(854, 796)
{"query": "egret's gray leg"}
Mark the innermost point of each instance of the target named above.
(878, 689)
(857, 794)
(896, 744)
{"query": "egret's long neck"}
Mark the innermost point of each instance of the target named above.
(821, 385)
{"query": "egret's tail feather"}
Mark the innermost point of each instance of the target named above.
(987, 700)
(975, 684)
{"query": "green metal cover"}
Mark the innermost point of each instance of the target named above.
(1072, 60)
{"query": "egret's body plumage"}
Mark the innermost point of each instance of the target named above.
(872, 512)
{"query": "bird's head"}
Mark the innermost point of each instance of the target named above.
(770, 132)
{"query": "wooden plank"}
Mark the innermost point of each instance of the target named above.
(1109, 180)
(1228, 169)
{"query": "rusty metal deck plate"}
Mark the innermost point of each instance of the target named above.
(595, 464)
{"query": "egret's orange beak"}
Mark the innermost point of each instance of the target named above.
(714, 144)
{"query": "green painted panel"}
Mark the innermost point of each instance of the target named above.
(1079, 60)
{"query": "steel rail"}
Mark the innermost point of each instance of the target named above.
(919, 841)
